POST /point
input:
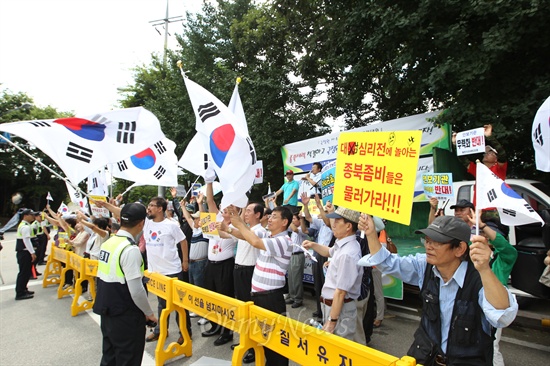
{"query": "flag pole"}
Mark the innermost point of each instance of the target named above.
(191, 186)
(44, 165)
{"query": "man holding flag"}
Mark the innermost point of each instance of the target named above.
(449, 274)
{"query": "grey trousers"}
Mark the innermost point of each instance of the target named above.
(296, 277)
(346, 326)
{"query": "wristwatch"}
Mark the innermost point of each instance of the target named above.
(332, 320)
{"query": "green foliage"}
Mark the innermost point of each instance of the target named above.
(233, 39)
(483, 61)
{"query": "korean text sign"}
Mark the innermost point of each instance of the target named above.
(470, 142)
(208, 225)
(438, 185)
(376, 173)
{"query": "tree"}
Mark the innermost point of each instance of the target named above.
(234, 38)
(481, 61)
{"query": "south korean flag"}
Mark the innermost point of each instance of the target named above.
(156, 165)
(81, 145)
(491, 191)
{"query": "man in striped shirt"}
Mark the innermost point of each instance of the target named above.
(268, 279)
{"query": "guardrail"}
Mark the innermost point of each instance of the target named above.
(256, 326)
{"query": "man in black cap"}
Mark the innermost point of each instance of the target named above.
(462, 298)
(121, 298)
(463, 209)
(25, 255)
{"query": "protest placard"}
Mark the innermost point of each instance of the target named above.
(376, 173)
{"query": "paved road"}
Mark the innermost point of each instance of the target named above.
(41, 331)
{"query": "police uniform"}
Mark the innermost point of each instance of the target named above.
(24, 258)
(122, 321)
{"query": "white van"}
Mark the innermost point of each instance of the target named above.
(537, 194)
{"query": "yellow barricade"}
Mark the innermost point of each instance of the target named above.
(78, 264)
(90, 271)
(226, 311)
(257, 326)
(307, 345)
(52, 272)
(162, 286)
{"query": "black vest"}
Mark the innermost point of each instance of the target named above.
(467, 343)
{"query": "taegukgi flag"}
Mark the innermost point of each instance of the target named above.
(97, 183)
(80, 145)
(195, 158)
(156, 165)
(230, 149)
(491, 191)
(540, 133)
(78, 198)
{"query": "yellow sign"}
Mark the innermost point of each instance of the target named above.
(99, 211)
(159, 285)
(376, 173)
(213, 306)
(208, 225)
(307, 345)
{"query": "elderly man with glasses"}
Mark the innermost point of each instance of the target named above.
(463, 300)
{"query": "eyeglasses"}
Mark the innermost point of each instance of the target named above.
(434, 244)
(152, 205)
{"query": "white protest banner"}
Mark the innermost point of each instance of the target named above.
(470, 142)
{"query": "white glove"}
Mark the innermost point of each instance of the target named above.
(209, 174)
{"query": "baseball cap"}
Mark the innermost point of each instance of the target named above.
(490, 148)
(196, 215)
(28, 211)
(133, 212)
(189, 207)
(345, 213)
(462, 204)
(445, 228)
(289, 172)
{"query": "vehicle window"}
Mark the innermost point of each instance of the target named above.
(464, 193)
(532, 199)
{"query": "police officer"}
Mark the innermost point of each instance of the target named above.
(42, 236)
(25, 255)
(121, 299)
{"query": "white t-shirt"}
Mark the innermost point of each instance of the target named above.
(246, 254)
(161, 241)
(309, 188)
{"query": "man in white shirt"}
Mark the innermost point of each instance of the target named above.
(161, 240)
(313, 180)
(343, 280)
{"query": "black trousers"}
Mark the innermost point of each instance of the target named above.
(24, 260)
(42, 244)
(242, 279)
(318, 278)
(182, 276)
(123, 339)
(218, 277)
(275, 302)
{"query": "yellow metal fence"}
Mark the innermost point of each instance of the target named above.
(257, 327)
